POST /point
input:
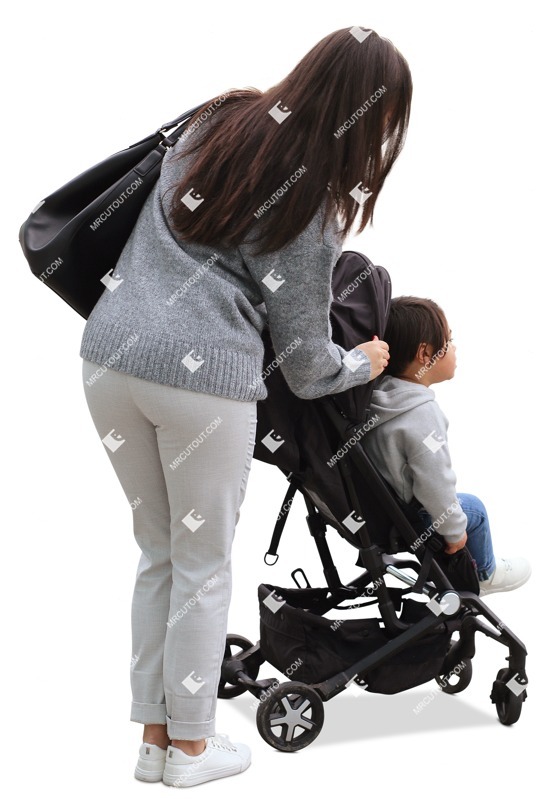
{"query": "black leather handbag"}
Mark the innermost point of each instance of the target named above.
(73, 239)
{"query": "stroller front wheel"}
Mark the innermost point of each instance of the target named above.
(508, 697)
(291, 717)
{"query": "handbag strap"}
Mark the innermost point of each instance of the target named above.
(182, 118)
(156, 155)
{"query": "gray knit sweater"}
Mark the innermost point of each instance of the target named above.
(184, 314)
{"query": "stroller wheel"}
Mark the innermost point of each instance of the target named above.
(226, 690)
(458, 678)
(509, 700)
(291, 717)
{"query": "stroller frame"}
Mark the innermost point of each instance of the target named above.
(290, 715)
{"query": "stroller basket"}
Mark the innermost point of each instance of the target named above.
(296, 640)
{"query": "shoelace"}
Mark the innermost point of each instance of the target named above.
(221, 741)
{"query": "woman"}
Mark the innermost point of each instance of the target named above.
(241, 230)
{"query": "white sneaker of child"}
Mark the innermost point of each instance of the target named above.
(509, 574)
(220, 758)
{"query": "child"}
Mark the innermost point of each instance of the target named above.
(408, 445)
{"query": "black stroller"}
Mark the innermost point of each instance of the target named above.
(319, 445)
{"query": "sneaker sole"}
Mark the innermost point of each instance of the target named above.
(148, 776)
(206, 776)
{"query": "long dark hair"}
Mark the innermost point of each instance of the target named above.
(344, 112)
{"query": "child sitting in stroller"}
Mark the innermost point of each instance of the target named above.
(408, 443)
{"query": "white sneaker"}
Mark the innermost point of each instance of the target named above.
(220, 758)
(509, 574)
(150, 764)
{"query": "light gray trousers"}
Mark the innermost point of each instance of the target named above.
(183, 459)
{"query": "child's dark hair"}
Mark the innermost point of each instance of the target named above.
(412, 321)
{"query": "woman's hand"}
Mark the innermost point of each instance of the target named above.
(451, 549)
(378, 353)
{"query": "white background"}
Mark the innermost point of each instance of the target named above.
(458, 221)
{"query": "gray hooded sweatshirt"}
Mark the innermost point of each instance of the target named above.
(408, 445)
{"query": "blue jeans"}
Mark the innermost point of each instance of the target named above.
(478, 533)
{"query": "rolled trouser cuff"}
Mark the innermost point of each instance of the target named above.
(189, 730)
(148, 714)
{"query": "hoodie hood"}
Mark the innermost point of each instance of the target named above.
(395, 397)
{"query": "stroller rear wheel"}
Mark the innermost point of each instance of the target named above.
(225, 690)
(291, 717)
